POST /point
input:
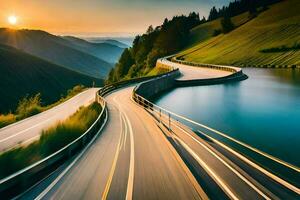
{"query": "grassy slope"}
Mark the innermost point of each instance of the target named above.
(279, 25)
(56, 50)
(21, 74)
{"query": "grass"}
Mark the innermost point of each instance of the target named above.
(29, 106)
(50, 141)
(157, 71)
(276, 27)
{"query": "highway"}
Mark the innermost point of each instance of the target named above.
(28, 130)
(196, 73)
(131, 159)
(136, 157)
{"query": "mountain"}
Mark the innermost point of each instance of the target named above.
(56, 50)
(271, 38)
(105, 51)
(123, 42)
(22, 74)
(116, 43)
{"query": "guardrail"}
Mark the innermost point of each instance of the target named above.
(277, 166)
(218, 67)
(27, 176)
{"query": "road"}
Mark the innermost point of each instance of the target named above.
(130, 159)
(196, 73)
(29, 129)
(135, 157)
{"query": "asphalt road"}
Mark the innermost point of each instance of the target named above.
(131, 159)
(195, 73)
(135, 157)
(29, 129)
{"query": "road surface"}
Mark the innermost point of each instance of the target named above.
(131, 159)
(135, 157)
(196, 73)
(29, 129)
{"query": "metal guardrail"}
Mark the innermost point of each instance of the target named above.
(22, 178)
(170, 117)
(218, 67)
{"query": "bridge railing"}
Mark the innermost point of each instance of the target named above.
(26, 177)
(277, 169)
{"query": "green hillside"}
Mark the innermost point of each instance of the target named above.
(55, 49)
(272, 38)
(104, 51)
(22, 74)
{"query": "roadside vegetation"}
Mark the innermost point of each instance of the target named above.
(51, 140)
(29, 106)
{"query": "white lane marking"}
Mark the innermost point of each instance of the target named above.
(131, 169)
(129, 191)
(113, 168)
(226, 164)
(126, 127)
(209, 170)
(36, 125)
(276, 178)
(41, 195)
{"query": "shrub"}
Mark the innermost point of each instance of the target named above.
(29, 106)
(7, 119)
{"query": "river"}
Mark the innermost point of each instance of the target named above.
(262, 111)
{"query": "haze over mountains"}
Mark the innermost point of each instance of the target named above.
(94, 60)
(22, 74)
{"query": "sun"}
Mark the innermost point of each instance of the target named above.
(12, 20)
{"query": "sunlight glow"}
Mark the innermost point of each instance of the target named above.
(12, 20)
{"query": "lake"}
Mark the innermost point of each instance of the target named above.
(262, 111)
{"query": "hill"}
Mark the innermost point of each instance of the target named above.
(116, 43)
(22, 74)
(56, 50)
(107, 51)
(272, 38)
(123, 42)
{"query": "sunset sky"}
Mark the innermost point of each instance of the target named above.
(97, 17)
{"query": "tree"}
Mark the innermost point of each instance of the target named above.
(213, 14)
(227, 24)
(150, 29)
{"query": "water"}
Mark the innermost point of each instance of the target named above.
(262, 111)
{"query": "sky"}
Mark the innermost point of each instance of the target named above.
(98, 17)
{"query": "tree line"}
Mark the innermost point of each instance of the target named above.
(238, 7)
(157, 42)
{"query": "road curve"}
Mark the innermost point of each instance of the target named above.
(30, 129)
(130, 160)
(195, 73)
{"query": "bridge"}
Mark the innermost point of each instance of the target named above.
(146, 152)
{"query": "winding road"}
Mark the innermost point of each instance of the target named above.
(136, 157)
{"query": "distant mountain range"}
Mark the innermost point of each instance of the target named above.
(76, 54)
(123, 42)
(22, 74)
(108, 51)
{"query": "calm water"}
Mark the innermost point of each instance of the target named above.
(263, 111)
